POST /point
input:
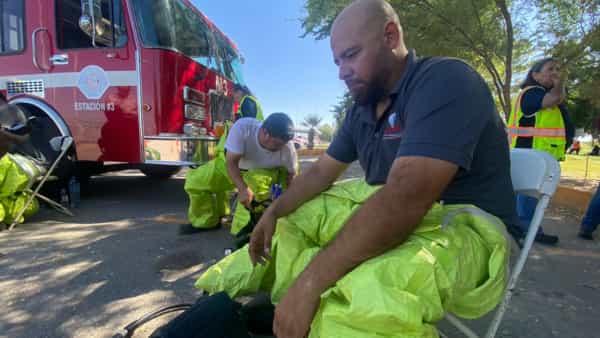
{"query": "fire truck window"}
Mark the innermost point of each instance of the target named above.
(171, 24)
(11, 26)
(109, 22)
(231, 65)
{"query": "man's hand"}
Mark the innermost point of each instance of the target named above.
(245, 196)
(260, 240)
(296, 311)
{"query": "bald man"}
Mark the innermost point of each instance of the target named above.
(424, 128)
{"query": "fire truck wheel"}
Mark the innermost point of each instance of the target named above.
(38, 146)
(159, 171)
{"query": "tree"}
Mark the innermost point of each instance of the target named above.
(572, 36)
(339, 110)
(482, 32)
(312, 121)
(326, 131)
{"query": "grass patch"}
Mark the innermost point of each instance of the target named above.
(575, 166)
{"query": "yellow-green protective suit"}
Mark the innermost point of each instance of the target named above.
(455, 261)
(17, 173)
(209, 188)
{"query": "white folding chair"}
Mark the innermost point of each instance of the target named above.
(536, 174)
(60, 144)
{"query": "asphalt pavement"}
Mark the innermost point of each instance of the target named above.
(121, 256)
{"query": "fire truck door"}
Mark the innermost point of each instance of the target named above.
(96, 78)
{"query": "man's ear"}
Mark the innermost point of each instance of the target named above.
(392, 35)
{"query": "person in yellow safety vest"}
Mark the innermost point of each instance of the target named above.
(248, 104)
(539, 120)
(250, 157)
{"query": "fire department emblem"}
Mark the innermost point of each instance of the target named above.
(93, 82)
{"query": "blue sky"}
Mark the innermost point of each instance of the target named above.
(287, 73)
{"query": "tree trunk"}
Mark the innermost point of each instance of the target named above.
(509, 56)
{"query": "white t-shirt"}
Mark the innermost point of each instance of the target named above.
(243, 140)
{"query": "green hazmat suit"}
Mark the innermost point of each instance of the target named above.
(209, 188)
(17, 173)
(455, 261)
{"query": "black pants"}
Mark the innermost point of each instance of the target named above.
(218, 316)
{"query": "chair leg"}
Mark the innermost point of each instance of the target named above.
(512, 282)
(57, 206)
(461, 327)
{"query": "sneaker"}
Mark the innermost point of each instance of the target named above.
(227, 220)
(546, 239)
(585, 234)
(188, 229)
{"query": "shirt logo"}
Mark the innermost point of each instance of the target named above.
(394, 130)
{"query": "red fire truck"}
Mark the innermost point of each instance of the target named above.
(137, 83)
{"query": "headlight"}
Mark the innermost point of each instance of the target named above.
(191, 129)
(194, 112)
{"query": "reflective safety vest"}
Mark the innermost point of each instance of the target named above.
(548, 133)
(259, 114)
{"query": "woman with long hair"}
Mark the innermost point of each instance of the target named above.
(540, 121)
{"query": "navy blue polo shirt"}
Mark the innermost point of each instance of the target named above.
(441, 108)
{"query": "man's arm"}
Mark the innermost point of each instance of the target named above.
(11, 137)
(307, 185)
(290, 178)
(292, 163)
(233, 170)
(414, 183)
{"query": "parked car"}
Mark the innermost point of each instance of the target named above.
(300, 142)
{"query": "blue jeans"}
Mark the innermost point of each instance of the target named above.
(592, 215)
(525, 210)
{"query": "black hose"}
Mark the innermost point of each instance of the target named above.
(128, 331)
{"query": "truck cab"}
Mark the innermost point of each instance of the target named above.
(136, 83)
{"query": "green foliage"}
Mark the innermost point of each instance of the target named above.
(339, 110)
(477, 31)
(312, 121)
(326, 131)
(499, 38)
(571, 33)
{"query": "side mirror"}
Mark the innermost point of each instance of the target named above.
(86, 23)
(90, 21)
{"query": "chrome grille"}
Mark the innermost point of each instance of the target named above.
(221, 108)
(31, 87)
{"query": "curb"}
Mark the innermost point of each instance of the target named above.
(572, 198)
(310, 152)
(565, 196)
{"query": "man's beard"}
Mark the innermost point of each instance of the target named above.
(374, 91)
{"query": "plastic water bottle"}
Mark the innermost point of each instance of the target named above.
(74, 192)
(279, 190)
(276, 191)
(64, 197)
